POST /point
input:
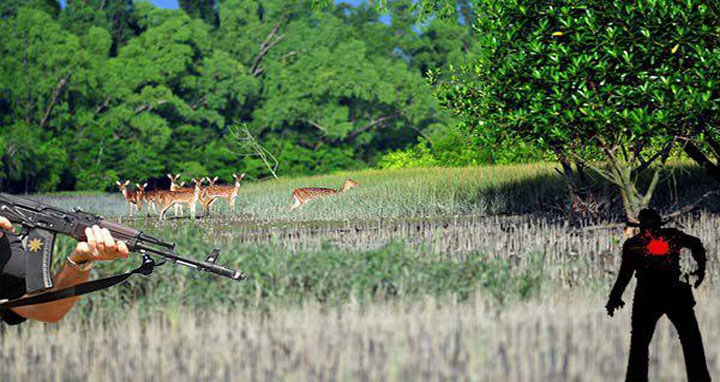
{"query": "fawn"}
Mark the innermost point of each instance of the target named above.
(213, 193)
(302, 195)
(189, 196)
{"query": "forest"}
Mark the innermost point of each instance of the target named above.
(97, 91)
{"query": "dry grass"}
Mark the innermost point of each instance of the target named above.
(560, 334)
(566, 337)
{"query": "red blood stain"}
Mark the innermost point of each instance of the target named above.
(658, 247)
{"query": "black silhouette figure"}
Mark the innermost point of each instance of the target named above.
(654, 256)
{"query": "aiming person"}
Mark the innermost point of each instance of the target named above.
(100, 245)
(654, 256)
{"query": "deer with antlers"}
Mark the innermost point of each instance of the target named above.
(213, 193)
(302, 195)
(189, 196)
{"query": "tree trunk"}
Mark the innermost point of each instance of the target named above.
(578, 186)
(701, 159)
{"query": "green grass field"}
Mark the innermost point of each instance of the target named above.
(444, 273)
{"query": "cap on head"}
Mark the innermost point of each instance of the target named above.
(650, 218)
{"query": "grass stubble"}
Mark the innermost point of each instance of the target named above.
(563, 336)
(327, 299)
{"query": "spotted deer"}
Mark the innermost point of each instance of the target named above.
(151, 198)
(133, 198)
(302, 195)
(139, 196)
(174, 186)
(206, 198)
(189, 196)
(213, 193)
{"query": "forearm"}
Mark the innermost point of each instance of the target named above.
(621, 283)
(700, 258)
(56, 310)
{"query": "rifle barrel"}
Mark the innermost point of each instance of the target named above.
(197, 264)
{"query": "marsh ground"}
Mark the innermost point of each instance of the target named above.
(461, 274)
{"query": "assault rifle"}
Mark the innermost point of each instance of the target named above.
(41, 223)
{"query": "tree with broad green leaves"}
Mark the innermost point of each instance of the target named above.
(615, 86)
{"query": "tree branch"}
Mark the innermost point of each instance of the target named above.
(644, 164)
(103, 105)
(691, 206)
(58, 90)
(715, 145)
(609, 175)
(365, 128)
(149, 106)
(202, 100)
(693, 152)
(674, 214)
(317, 125)
(270, 40)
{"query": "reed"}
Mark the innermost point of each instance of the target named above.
(565, 337)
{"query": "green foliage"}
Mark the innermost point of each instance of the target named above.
(454, 149)
(564, 74)
(577, 78)
(202, 9)
(329, 276)
(128, 90)
(9, 8)
(116, 17)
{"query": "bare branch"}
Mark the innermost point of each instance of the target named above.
(691, 206)
(624, 152)
(674, 214)
(609, 175)
(58, 90)
(244, 136)
(103, 106)
(270, 41)
(317, 125)
(365, 128)
(149, 106)
(693, 152)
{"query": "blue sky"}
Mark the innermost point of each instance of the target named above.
(174, 3)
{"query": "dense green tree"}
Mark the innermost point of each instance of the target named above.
(580, 79)
(9, 8)
(83, 103)
(41, 66)
(117, 17)
(321, 85)
(206, 10)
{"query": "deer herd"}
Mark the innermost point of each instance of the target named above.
(206, 196)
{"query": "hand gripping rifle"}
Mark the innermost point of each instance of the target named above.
(41, 222)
